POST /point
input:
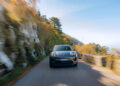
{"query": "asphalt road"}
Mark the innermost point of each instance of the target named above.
(83, 75)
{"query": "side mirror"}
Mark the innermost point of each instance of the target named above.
(74, 50)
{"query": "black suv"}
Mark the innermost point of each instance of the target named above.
(63, 55)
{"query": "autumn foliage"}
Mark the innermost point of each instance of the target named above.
(92, 48)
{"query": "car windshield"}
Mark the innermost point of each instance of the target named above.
(62, 48)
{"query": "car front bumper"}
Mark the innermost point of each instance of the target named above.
(63, 62)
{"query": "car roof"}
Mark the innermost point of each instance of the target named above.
(63, 45)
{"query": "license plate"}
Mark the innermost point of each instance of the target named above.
(63, 59)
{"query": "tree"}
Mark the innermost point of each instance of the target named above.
(115, 52)
(103, 50)
(100, 49)
(39, 14)
(91, 48)
(44, 18)
(97, 47)
(56, 23)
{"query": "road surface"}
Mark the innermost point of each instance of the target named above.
(83, 75)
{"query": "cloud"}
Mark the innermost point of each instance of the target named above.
(60, 8)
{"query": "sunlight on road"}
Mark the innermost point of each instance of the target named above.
(61, 85)
(108, 78)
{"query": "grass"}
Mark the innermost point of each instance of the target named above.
(16, 72)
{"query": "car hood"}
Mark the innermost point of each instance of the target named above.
(64, 53)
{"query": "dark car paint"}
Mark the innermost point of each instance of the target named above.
(63, 58)
(64, 53)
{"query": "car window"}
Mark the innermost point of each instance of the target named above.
(62, 48)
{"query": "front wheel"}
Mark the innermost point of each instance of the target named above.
(51, 65)
(75, 65)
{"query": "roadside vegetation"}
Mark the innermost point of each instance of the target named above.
(26, 37)
(96, 49)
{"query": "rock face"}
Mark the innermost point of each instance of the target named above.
(1, 15)
(5, 60)
(29, 30)
(17, 45)
(1, 43)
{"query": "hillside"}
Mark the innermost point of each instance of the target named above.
(76, 42)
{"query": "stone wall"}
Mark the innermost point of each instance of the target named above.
(102, 61)
(93, 59)
(117, 66)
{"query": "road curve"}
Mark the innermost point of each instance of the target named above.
(83, 75)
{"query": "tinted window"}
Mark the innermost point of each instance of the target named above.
(62, 48)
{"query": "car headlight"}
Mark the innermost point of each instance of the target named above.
(73, 53)
(53, 54)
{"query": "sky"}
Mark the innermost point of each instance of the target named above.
(89, 21)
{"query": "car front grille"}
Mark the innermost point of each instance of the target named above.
(65, 62)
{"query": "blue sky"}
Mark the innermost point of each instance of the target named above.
(87, 20)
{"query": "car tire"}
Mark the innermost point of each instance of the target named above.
(75, 65)
(51, 65)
